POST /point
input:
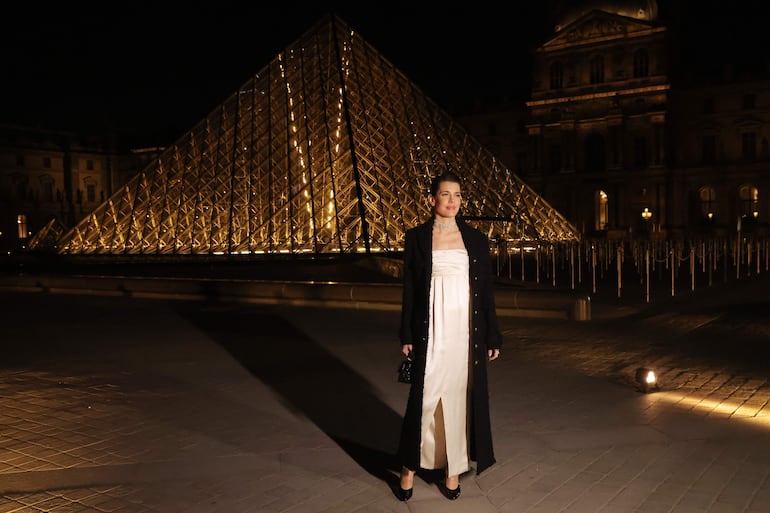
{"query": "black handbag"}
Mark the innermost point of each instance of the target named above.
(405, 370)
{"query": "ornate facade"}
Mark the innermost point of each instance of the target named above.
(50, 175)
(621, 147)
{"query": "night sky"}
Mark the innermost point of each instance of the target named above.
(148, 71)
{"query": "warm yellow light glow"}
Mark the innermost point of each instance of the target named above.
(646, 214)
(756, 214)
(733, 409)
(710, 215)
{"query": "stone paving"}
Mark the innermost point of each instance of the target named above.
(111, 404)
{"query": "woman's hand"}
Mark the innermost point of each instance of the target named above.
(493, 354)
(406, 349)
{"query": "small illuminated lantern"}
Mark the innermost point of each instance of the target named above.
(646, 214)
(646, 379)
(710, 215)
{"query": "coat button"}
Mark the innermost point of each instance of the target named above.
(476, 346)
(475, 329)
(475, 312)
(476, 362)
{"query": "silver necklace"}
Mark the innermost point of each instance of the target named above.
(444, 226)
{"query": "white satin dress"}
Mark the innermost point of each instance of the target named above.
(445, 393)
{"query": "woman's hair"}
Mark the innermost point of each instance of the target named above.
(446, 176)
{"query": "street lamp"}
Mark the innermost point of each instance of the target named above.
(646, 214)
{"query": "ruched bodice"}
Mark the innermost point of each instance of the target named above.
(450, 262)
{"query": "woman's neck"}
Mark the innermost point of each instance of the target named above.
(445, 223)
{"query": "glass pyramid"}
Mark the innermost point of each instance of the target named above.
(327, 149)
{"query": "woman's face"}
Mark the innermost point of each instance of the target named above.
(447, 201)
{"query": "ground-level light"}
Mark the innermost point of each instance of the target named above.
(646, 379)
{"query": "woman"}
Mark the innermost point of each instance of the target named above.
(449, 325)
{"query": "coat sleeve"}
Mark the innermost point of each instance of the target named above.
(494, 337)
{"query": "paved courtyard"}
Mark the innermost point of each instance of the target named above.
(113, 404)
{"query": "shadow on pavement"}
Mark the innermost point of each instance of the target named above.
(311, 381)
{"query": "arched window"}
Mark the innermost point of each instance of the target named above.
(708, 198)
(557, 75)
(641, 63)
(21, 225)
(597, 69)
(748, 199)
(90, 185)
(601, 210)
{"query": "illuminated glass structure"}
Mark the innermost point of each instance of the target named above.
(327, 149)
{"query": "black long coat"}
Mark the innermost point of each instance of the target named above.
(485, 334)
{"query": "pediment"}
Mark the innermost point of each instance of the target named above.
(597, 26)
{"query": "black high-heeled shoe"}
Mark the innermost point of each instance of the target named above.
(451, 494)
(404, 495)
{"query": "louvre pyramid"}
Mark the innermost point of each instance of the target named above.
(327, 149)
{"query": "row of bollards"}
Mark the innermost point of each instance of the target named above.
(572, 264)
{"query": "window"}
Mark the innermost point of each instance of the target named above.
(602, 211)
(640, 151)
(707, 200)
(90, 165)
(20, 185)
(595, 153)
(708, 105)
(748, 198)
(709, 149)
(21, 225)
(46, 183)
(749, 101)
(48, 191)
(47, 162)
(641, 63)
(597, 69)
(749, 145)
(557, 75)
(90, 192)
